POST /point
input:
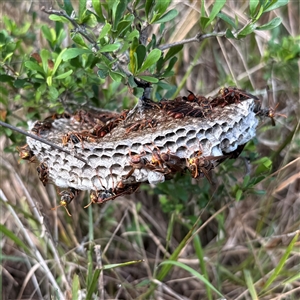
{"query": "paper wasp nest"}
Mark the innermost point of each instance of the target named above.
(110, 142)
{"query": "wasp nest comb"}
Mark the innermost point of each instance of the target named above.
(115, 152)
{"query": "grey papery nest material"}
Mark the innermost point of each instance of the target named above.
(152, 130)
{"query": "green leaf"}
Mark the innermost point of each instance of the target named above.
(119, 13)
(45, 56)
(64, 75)
(131, 81)
(20, 83)
(170, 67)
(172, 62)
(58, 18)
(173, 51)
(103, 73)
(106, 28)
(74, 52)
(49, 80)
(148, 78)
(98, 9)
(68, 7)
(203, 14)
(160, 64)
(270, 25)
(161, 6)
(53, 93)
(203, 22)
(264, 165)
(132, 56)
(215, 10)
(123, 25)
(252, 7)
(138, 92)
(229, 34)
(193, 273)
(78, 39)
(6, 78)
(151, 59)
(132, 35)
(110, 47)
(14, 238)
(91, 20)
(58, 61)
(246, 181)
(228, 20)
(140, 55)
(276, 5)
(116, 76)
(167, 17)
(34, 66)
(148, 7)
(82, 9)
(247, 30)
(47, 33)
(238, 195)
(42, 88)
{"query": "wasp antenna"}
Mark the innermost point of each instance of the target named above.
(88, 204)
(56, 207)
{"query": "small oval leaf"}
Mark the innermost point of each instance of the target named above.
(64, 75)
(167, 17)
(110, 48)
(148, 78)
(74, 52)
(270, 25)
(151, 59)
(33, 66)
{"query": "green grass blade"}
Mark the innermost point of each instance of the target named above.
(200, 255)
(250, 285)
(194, 273)
(93, 284)
(14, 238)
(127, 263)
(281, 262)
(75, 287)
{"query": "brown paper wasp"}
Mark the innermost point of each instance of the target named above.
(40, 127)
(67, 196)
(43, 173)
(137, 161)
(270, 113)
(140, 125)
(103, 196)
(233, 95)
(26, 153)
(165, 162)
(201, 165)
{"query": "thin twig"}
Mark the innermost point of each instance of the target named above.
(196, 39)
(33, 136)
(98, 254)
